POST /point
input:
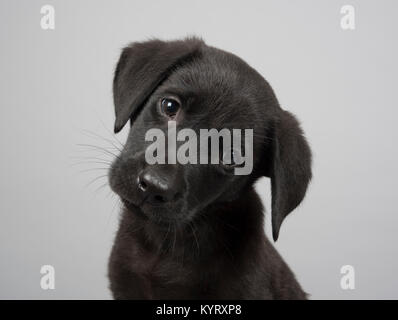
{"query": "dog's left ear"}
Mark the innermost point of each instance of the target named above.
(289, 167)
(141, 69)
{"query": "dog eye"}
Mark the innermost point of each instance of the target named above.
(170, 106)
(232, 158)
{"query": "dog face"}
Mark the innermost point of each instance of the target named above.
(200, 87)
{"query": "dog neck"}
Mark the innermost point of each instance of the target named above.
(219, 229)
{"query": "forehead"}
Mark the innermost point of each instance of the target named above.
(216, 87)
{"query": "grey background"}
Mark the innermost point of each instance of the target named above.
(56, 84)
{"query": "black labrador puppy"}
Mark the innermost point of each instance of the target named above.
(195, 231)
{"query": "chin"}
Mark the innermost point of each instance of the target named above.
(161, 216)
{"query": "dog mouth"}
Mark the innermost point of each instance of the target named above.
(157, 214)
(133, 206)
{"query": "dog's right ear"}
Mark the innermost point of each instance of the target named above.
(141, 68)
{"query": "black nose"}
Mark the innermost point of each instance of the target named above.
(157, 188)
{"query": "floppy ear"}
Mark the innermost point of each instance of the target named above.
(141, 68)
(289, 168)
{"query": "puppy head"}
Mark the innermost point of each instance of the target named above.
(200, 87)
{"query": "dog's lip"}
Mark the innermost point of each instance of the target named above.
(128, 202)
(163, 221)
(141, 204)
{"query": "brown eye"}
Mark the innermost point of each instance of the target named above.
(170, 106)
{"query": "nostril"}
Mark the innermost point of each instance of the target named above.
(159, 198)
(142, 185)
(156, 189)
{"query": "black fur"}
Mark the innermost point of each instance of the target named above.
(209, 241)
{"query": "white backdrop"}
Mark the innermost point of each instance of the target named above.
(55, 92)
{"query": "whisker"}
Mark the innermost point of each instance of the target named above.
(111, 133)
(89, 162)
(194, 234)
(101, 187)
(99, 137)
(90, 158)
(94, 180)
(97, 148)
(92, 169)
